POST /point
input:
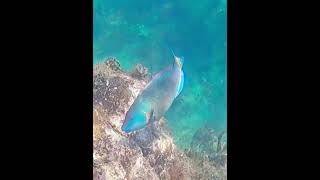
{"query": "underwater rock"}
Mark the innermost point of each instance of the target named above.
(98, 176)
(149, 153)
(140, 72)
(113, 64)
(206, 142)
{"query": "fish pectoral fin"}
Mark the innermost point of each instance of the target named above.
(180, 86)
(149, 116)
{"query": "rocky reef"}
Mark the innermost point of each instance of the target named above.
(149, 153)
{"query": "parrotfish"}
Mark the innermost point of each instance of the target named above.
(156, 98)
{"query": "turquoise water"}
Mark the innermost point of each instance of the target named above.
(144, 31)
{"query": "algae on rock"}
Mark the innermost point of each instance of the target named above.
(149, 153)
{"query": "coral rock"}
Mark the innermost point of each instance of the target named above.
(140, 72)
(149, 153)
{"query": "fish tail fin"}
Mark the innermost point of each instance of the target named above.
(169, 47)
(176, 58)
(172, 52)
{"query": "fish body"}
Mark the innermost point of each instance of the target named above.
(156, 98)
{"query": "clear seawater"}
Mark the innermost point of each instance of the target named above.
(144, 31)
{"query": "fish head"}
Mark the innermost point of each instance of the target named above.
(133, 123)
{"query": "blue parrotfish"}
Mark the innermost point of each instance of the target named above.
(156, 98)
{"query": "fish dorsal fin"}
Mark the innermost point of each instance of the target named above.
(180, 87)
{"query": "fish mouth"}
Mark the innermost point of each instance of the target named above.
(128, 129)
(125, 128)
(132, 124)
